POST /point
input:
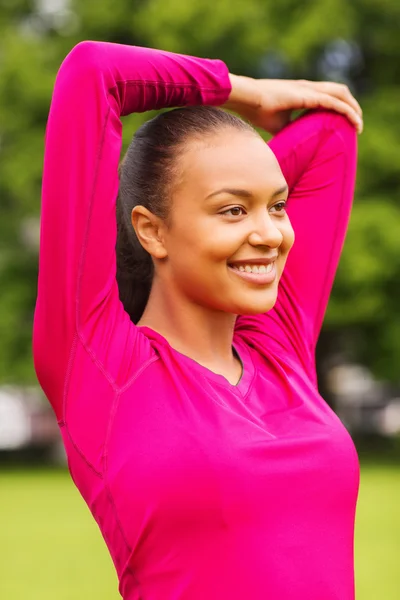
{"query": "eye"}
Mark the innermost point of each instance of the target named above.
(234, 211)
(279, 207)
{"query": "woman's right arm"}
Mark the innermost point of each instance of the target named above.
(78, 302)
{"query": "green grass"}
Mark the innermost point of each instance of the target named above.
(51, 547)
(378, 533)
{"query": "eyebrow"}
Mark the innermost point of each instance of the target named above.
(245, 193)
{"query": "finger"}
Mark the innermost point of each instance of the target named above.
(322, 100)
(342, 92)
(339, 90)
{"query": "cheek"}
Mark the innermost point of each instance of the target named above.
(198, 261)
(205, 241)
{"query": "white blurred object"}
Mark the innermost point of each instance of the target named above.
(27, 421)
(51, 7)
(30, 233)
(352, 381)
(15, 429)
(390, 418)
(364, 404)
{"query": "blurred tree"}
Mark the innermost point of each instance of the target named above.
(355, 42)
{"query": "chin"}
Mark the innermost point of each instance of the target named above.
(257, 307)
(257, 310)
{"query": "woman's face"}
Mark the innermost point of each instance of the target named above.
(228, 236)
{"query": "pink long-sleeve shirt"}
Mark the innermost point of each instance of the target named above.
(202, 489)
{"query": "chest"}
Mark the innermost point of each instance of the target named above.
(195, 452)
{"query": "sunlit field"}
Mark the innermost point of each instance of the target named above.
(51, 547)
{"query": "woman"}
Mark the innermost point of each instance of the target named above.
(183, 383)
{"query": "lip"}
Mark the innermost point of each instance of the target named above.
(254, 261)
(256, 278)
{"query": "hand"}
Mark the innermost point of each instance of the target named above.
(268, 103)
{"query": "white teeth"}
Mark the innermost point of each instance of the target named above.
(258, 269)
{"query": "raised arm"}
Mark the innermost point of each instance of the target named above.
(317, 155)
(78, 301)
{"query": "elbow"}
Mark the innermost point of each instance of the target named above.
(85, 52)
(83, 60)
(83, 72)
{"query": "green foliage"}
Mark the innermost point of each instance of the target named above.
(245, 35)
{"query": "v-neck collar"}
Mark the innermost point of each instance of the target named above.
(241, 350)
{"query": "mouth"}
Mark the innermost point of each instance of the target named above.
(258, 272)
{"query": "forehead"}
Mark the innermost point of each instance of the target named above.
(235, 158)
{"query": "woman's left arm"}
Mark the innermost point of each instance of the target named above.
(317, 155)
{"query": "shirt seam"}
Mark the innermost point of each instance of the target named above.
(144, 82)
(64, 421)
(79, 330)
(113, 412)
(114, 408)
(67, 378)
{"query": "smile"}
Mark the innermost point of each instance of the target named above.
(254, 268)
(260, 274)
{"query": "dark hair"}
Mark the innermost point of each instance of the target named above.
(146, 174)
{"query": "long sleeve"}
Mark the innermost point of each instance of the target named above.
(317, 154)
(78, 302)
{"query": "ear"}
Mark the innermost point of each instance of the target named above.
(149, 230)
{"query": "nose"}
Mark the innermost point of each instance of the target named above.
(265, 232)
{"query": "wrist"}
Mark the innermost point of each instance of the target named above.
(244, 92)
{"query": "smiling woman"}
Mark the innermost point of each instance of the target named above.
(227, 163)
(177, 345)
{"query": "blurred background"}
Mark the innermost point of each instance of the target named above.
(49, 545)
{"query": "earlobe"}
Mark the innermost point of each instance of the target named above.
(148, 228)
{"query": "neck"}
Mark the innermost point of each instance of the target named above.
(199, 332)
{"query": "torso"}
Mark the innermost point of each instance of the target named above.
(227, 491)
